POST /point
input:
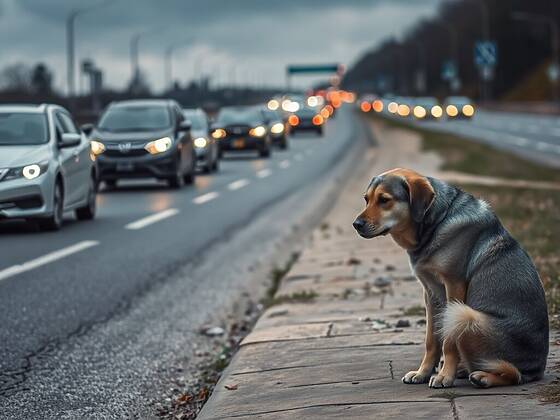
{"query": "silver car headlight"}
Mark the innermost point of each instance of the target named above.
(29, 172)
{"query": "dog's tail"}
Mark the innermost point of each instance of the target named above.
(459, 319)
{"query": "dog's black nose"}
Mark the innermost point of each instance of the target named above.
(358, 224)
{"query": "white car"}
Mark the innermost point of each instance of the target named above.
(46, 166)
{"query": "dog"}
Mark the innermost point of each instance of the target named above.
(485, 303)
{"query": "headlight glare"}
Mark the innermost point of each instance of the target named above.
(258, 131)
(97, 147)
(468, 110)
(436, 111)
(200, 142)
(451, 110)
(219, 133)
(277, 128)
(159, 145)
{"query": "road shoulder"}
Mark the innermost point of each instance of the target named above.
(343, 353)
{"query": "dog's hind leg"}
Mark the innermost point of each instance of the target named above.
(495, 373)
(471, 331)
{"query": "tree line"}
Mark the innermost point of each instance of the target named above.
(417, 64)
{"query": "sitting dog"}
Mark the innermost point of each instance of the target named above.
(485, 304)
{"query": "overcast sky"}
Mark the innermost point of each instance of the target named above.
(246, 41)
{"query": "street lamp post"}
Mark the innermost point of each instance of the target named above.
(554, 41)
(168, 62)
(135, 53)
(70, 45)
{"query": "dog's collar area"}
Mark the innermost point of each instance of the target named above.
(425, 231)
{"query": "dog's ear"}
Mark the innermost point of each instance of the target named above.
(421, 195)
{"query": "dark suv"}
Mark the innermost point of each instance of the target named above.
(144, 138)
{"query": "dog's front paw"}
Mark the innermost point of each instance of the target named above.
(415, 377)
(441, 381)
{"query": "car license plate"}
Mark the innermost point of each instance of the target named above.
(125, 167)
(239, 143)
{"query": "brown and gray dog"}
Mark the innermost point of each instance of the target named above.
(485, 304)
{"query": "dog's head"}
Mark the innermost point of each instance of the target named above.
(395, 201)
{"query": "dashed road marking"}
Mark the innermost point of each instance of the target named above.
(46, 259)
(151, 219)
(284, 164)
(240, 183)
(204, 198)
(263, 173)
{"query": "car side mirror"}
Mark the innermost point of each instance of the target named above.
(185, 125)
(70, 140)
(87, 129)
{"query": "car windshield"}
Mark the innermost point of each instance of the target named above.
(22, 128)
(272, 115)
(198, 121)
(306, 111)
(132, 118)
(239, 116)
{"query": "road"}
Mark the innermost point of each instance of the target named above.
(536, 137)
(102, 308)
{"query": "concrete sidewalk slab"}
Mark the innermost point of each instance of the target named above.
(343, 354)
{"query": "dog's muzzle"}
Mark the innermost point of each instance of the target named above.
(366, 230)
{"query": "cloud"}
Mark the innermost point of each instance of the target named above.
(245, 40)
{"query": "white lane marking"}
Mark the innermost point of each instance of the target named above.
(46, 259)
(299, 156)
(204, 198)
(263, 173)
(284, 164)
(240, 183)
(151, 219)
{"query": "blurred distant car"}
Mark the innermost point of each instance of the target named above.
(306, 118)
(276, 127)
(427, 107)
(459, 107)
(144, 138)
(46, 166)
(242, 128)
(205, 146)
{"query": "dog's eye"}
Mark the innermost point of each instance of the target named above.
(383, 199)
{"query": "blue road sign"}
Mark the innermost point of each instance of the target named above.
(485, 53)
(449, 70)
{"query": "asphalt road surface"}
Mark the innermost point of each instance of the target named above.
(535, 137)
(93, 317)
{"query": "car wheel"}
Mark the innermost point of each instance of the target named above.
(176, 181)
(54, 222)
(189, 177)
(88, 211)
(284, 144)
(110, 184)
(264, 152)
(216, 165)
